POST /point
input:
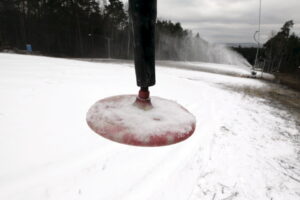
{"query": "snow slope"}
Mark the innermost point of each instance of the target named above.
(243, 147)
(226, 69)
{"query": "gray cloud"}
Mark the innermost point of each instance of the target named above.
(230, 20)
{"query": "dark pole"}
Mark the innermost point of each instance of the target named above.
(143, 15)
(92, 43)
(108, 46)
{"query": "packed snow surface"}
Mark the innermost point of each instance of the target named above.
(246, 144)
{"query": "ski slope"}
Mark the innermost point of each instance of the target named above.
(244, 147)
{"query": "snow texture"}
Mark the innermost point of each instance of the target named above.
(246, 145)
(122, 113)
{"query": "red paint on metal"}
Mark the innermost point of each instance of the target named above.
(112, 130)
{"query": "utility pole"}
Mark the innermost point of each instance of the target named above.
(78, 28)
(258, 33)
(128, 43)
(22, 16)
(129, 28)
(92, 42)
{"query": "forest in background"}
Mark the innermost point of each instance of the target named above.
(80, 28)
(100, 28)
(281, 53)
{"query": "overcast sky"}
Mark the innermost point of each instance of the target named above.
(234, 21)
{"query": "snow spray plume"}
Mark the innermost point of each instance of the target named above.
(190, 48)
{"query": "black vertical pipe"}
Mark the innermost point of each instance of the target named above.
(143, 15)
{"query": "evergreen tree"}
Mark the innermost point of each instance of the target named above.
(282, 50)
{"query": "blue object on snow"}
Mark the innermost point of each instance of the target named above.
(28, 47)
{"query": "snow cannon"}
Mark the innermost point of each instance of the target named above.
(142, 120)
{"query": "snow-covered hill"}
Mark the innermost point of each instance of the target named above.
(246, 145)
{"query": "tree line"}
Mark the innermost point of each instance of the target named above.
(281, 53)
(80, 28)
(101, 28)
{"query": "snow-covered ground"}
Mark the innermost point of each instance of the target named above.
(225, 69)
(246, 144)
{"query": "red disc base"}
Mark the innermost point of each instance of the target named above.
(125, 119)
